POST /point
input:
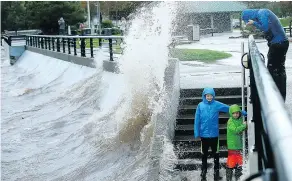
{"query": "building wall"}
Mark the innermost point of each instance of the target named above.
(221, 21)
(203, 20)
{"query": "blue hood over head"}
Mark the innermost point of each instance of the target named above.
(208, 91)
(249, 14)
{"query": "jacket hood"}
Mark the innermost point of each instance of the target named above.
(234, 108)
(208, 91)
(249, 14)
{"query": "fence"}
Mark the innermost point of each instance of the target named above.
(75, 45)
(272, 125)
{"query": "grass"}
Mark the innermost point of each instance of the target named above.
(116, 47)
(285, 21)
(87, 43)
(198, 55)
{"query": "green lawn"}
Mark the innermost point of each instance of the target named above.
(198, 55)
(87, 44)
(116, 48)
(285, 21)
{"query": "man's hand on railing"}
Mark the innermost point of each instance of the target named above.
(244, 113)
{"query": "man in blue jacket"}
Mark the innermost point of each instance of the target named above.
(266, 21)
(207, 128)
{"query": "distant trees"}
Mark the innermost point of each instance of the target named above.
(281, 9)
(44, 15)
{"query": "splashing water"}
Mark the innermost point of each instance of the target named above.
(145, 58)
(143, 66)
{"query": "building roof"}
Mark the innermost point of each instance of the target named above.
(210, 6)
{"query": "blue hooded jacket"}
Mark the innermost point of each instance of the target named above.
(207, 116)
(266, 21)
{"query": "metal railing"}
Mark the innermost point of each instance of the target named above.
(243, 98)
(289, 29)
(272, 125)
(10, 39)
(74, 45)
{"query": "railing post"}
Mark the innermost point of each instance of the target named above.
(69, 50)
(49, 41)
(74, 46)
(39, 43)
(99, 42)
(111, 49)
(290, 28)
(53, 43)
(91, 47)
(63, 42)
(82, 47)
(9, 40)
(26, 43)
(35, 42)
(42, 42)
(46, 45)
(58, 44)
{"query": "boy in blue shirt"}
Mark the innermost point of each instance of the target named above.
(266, 21)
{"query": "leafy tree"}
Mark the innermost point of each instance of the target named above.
(45, 14)
(42, 15)
(12, 13)
(281, 9)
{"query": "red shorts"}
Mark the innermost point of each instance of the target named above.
(234, 158)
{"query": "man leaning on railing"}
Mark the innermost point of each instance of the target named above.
(278, 43)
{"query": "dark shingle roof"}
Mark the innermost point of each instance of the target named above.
(210, 6)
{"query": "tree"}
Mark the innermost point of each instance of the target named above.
(281, 9)
(286, 7)
(12, 13)
(45, 14)
(107, 7)
(42, 15)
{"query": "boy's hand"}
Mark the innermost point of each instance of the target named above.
(245, 123)
(250, 22)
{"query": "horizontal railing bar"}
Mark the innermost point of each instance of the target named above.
(59, 36)
(274, 114)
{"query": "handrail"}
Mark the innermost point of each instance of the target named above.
(61, 36)
(6, 39)
(276, 124)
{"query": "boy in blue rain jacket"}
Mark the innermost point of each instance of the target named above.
(266, 21)
(207, 128)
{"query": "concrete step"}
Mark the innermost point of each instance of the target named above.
(189, 119)
(188, 129)
(191, 103)
(193, 145)
(191, 154)
(192, 138)
(218, 91)
(196, 164)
